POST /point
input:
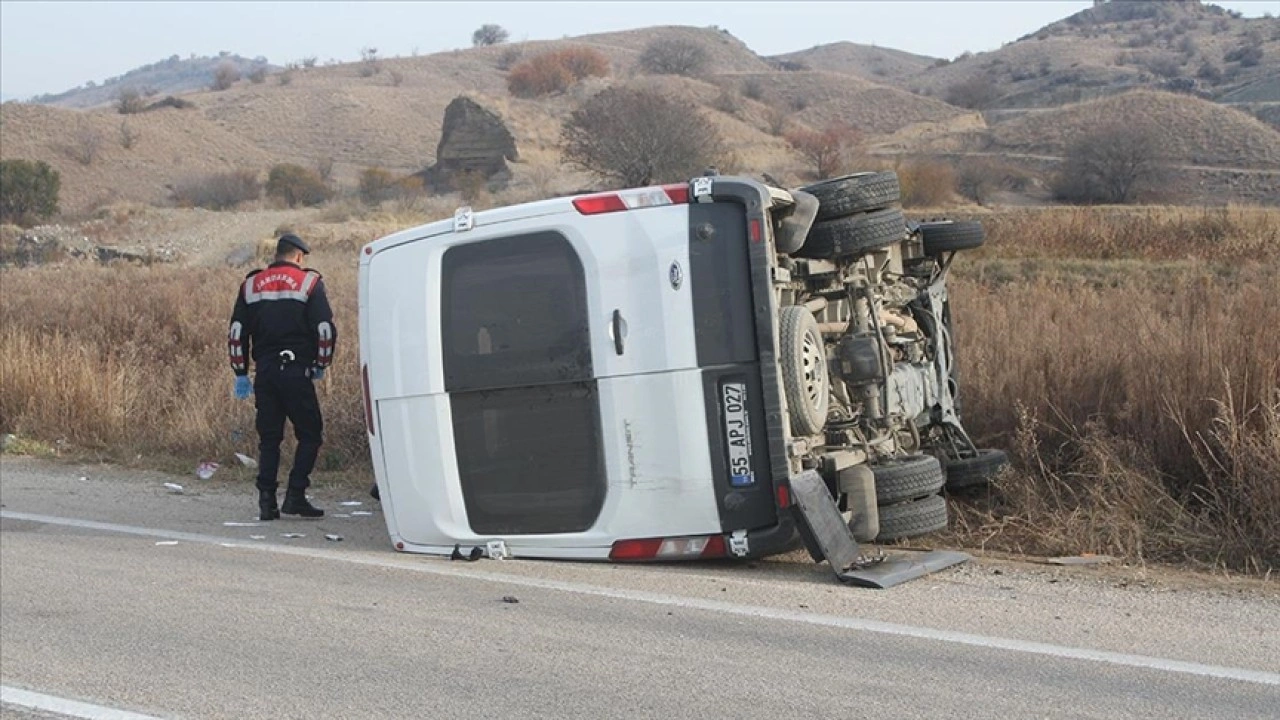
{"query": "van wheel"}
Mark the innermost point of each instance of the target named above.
(854, 235)
(949, 236)
(907, 478)
(804, 370)
(913, 518)
(859, 192)
(975, 471)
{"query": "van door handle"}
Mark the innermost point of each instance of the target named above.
(619, 327)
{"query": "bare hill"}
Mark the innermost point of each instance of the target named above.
(1190, 131)
(168, 77)
(1113, 47)
(881, 65)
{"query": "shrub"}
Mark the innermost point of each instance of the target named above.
(28, 191)
(926, 183)
(309, 62)
(225, 76)
(129, 100)
(728, 102)
(509, 57)
(369, 65)
(218, 191)
(777, 120)
(674, 56)
(397, 77)
(752, 88)
(640, 137)
(976, 93)
(826, 151)
(85, 143)
(1115, 163)
(295, 185)
(555, 71)
(1210, 73)
(258, 75)
(285, 77)
(489, 34)
(1246, 55)
(128, 136)
(376, 185)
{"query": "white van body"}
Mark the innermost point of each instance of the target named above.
(533, 377)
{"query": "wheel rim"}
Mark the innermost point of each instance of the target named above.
(815, 386)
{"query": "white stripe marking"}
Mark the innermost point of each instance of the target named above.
(1145, 662)
(62, 706)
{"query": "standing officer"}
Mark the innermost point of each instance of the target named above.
(282, 319)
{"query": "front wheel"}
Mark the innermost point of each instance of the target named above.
(804, 370)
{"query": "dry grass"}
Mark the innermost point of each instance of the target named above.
(1140, 399)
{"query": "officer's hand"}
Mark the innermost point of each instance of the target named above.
(317, 373)
(244, 388)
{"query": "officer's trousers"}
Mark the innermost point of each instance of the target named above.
(279, 393)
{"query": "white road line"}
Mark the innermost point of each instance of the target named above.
(63, 706)
(755, 611)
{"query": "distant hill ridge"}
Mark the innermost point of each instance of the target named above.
(171, 76)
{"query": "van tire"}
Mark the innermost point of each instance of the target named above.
(907, 478)
(912, 519)
(855, 193)
(975, 471)
(854, 235)
(804, 370)
(941, 237)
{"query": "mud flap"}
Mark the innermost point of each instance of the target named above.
(827, 537)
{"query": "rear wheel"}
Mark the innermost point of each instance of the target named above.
(804, 370)
(907, 478)
(854, 235)
(949, 236)
(912, 518)
(855, 193)
(975, 471)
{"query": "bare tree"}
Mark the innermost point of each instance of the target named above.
(827, 151)
(369, 62)
(976, 93)
(128, 136)
(129, 100)
(489, 34)
(85, 144)
(640, 137)
(1115, 163)
(674, 56)
(225, 76)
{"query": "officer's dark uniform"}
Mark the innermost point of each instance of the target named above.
(283, 320)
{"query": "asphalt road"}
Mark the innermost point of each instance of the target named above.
(216, 624)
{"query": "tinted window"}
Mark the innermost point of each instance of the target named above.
(515, 313)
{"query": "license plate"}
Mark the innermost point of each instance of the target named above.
(737, 433)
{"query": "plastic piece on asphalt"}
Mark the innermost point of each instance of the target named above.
(257, 537)
(333, 538)
(228, 545)
(497, 550)
(340, 515)
(475, 554)
(167, 542)
(360, 513)
(205, 470)
(241, 524)
(83, 478)
(292, 535)
(247, 461)
(174, 488)
(350, 503)
(1085, 559)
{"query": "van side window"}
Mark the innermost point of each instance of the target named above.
(515, 313)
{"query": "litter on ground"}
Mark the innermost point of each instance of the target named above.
(174, 487)
(246, 461)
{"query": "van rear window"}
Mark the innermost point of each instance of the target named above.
(514, 313)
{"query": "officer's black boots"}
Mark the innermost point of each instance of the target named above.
(267, 509)
(296, 503)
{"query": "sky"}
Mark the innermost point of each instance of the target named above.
(49, 47)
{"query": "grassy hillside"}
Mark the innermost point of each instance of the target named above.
(882, 65)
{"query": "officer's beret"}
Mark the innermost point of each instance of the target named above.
(295, 241)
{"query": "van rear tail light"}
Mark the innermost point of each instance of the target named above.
(677, 194)
(677, 548)
(784, 496)
(368, 400)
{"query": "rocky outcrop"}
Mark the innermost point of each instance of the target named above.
(474, 143)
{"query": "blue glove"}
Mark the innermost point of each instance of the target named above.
(317, 373)
(244, 388)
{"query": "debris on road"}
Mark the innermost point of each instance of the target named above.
(360, 513)
(510, 599)
(205, 470)
(257, 537)
(342, 515)
(351, 503)
(167, 542)
(247, 461)
(475, 554)
(174, 488)
(292, 535)
(333, 538)
(231, 523)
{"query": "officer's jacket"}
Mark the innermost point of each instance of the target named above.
(281, 307)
